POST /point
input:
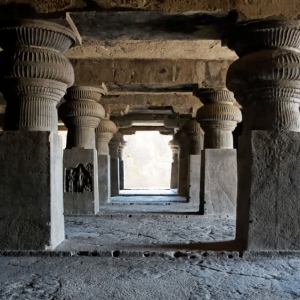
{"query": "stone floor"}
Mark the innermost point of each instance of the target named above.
(117, 255)
(140, 192)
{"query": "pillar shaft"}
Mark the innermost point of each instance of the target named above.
(265, 81)
(34, 76)
(104, 134)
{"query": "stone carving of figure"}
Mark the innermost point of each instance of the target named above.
(70, 181)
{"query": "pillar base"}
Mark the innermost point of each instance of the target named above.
(81, 194)
(104, 178)
(114, 175)
(218, 181)
(194, 178)
(269, 191)
(31, 191)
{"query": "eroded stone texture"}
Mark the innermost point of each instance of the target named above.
(218, 117)
(81, 115)
(218, 181)
(104, 178)
(34, 75)
(81, 194)
(31, 200)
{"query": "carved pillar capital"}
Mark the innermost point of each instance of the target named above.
(218, 117)
(114, 144)
(265, 79)
(194, 132)
(34, 74)
(183, 142)
(81, 114)
(121, 149)
(104, 133)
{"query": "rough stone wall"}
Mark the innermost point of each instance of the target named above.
(147, 159)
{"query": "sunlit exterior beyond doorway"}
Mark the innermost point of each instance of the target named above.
(147, 159)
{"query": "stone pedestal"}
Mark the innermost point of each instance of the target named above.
(218, 181)
(31, 185)
(114, 176)
(81, 195)
(194, 178)
(104, 178)
(268, 207)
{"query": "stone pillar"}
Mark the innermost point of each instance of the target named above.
(195, 134)
(81, 114)
(265, 81)
(218, 118)
(34, 76)
(104, 132)
(121, 163)
(183, 141)
(114, 161)
(175, 164)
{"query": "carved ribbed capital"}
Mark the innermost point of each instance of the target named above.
(174, 147)
(34, 74)
(266, 76)
(194, 132)
(183, 141)
(114, 144)
(104, 133)
(121, 149)
(81, 115)
(218, 117)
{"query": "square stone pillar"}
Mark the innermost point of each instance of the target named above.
(81, 194)
(114, 176)
(218, 181)
(194, 178)
(183, 176)
(268, 207)
(31, 190)
(121, 169)
(104, 178)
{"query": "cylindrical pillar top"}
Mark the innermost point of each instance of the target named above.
(193, 130)
(218, 117)
(104, 133)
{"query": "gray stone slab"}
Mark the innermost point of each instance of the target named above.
(183, 177)
(194, 178)
(104, 178)
(82, 198)
(218, 181)
(270, 190)
(31, 190)
(115, 176)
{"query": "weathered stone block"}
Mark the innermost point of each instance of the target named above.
(218, 181)
(31, 190)
(104, 178)
(81, 194)
(269, 191)
(194, 178)
(115, 176)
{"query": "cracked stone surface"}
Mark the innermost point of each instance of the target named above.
(142, 232)
(196, 277)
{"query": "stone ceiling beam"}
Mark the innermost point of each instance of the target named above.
(120, 74)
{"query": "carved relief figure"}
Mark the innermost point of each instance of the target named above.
(79, 179)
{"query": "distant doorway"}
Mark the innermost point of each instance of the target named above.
(147, 161)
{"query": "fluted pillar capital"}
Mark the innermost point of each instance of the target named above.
(265, 79)
(114, 144)
(194, 132)
(104, 133)
(122, 145)
(34, 74)
(218, 117)
(81, 114)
